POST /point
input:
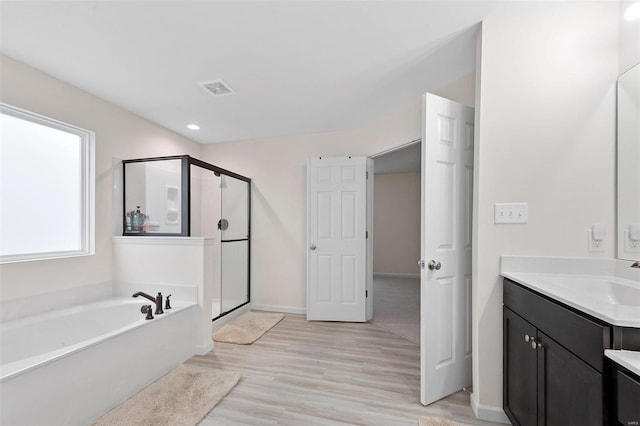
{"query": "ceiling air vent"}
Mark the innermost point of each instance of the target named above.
(217, 87)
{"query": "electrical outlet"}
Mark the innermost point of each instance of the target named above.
(630, 246)
(511, 213)
(594, 246)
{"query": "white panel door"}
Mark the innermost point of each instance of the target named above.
(336, 239)
(445, 277)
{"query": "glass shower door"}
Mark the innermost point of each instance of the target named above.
(235, 241)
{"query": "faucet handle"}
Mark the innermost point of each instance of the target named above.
(167, 303)
(146, 309)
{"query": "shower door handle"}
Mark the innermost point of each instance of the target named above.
(313, 247)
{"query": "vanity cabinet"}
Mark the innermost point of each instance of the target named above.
(626, 390)
(554, 364)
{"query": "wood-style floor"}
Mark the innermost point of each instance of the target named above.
(322, 373)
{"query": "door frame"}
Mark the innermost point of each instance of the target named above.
(370, 188)
(370, 191)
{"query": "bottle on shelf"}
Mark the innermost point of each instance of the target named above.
(137, 220)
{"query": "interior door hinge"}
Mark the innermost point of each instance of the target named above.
(367, 175)
(366, 293)
(366, 234)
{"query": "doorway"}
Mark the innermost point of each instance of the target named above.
(339, 272)
(396, 240)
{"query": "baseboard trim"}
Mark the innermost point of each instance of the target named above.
(394, 275)
(275, 308)
(204, 349)
(488, 412)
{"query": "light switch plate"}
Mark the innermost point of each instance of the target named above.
(511, 213)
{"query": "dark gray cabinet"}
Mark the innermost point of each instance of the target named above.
(626, 407)
(571, 391)
(554, 365)
(520, 370)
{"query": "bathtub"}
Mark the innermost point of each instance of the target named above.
(72, 365)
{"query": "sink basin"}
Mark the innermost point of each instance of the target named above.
(604, 289)
(621, 294)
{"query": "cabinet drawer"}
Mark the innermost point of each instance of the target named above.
(584, 337)
(628, 391)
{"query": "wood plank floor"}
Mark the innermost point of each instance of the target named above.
(322, 373)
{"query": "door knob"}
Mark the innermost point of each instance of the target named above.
(434, 264)
(313, 247)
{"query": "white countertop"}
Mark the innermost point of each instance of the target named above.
(597, 291)
(628, 359)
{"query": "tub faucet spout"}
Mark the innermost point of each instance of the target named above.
(157, 300)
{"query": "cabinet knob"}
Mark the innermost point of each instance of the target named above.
(532, 340)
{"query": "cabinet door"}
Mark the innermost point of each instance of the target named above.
(520, 370)
(627, 396)
(573, 390)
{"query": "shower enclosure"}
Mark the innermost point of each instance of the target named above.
(185, 197)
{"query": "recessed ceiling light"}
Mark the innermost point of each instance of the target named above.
(633, 12)
(193, 126)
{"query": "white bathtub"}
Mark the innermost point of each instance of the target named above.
(72, 365)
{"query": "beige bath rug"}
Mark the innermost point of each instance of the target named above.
(182, 397)
(247, 328)
(437, 421)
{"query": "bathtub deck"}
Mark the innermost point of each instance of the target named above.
(303, 372)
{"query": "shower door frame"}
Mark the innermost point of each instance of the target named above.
(185, 208)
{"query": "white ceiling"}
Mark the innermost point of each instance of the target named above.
(296, 67)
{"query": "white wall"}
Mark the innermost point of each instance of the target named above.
(277, 167)
(462, 90)
(629, 39)
(396, 223)
(545, 135)
(119, 134)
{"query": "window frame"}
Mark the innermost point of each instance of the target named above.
(87, 142)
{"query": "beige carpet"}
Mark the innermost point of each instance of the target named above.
(247, 328)
(182, 397)
(437, 421)
(396, 306)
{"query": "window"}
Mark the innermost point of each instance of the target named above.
(46, 187)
